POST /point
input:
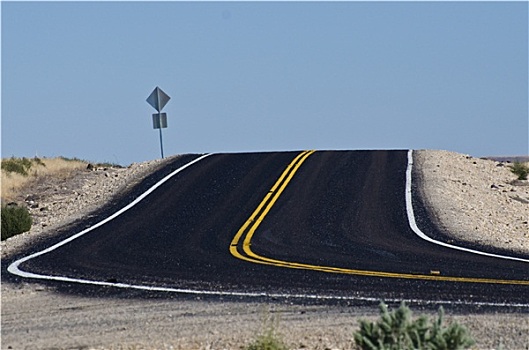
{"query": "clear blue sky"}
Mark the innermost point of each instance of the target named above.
(263, 76)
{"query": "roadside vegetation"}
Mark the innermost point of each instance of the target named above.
(19, 172)
(269, 338)
(521, 170)
(397, 330)
(15, 220)
(394, 330)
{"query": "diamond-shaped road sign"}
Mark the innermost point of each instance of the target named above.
(158, 99)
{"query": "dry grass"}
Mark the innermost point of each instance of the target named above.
(13, 183)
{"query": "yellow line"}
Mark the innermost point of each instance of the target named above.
(235, 240)
(253, 222)
(249, 235)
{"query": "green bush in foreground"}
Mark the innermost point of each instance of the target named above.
(396, 330)
(15, 220)
(521, 170)
(268, 340)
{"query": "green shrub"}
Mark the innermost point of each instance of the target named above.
(16, 165)
(15, 220)
(268, 340)
(520, 169)
(20, 165)
(74, 159)
(396, 330)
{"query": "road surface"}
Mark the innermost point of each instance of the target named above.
(312, 226)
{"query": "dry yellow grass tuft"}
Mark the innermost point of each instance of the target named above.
(13, 182)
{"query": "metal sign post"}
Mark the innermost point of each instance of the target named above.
(158, 99)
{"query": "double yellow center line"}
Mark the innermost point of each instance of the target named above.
(240, 246)
(248, 229)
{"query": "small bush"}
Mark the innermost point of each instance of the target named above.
(20, 165)
(16, 165)
(74, 159)
(396, 330)
(15, 220)
(268, 340)
(521, 170)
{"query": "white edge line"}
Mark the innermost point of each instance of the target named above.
(415, 228)
(14, 269)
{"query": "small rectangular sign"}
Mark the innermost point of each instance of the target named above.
(159, 120)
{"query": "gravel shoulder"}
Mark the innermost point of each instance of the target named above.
(474, 200)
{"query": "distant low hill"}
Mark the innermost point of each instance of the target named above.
(511, 159)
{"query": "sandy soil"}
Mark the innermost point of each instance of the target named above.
(458, 187)
(476, 200)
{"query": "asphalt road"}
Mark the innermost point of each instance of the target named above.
(333, 226)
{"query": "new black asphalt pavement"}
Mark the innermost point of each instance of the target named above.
(342, 209)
